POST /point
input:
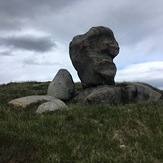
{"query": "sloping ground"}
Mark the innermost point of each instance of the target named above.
(91, 133)
(17, 149)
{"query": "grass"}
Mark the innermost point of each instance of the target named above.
(92, 133)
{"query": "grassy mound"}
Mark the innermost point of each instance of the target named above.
(93, 133)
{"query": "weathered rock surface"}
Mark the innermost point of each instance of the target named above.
(100, 94)
(139, 92)
(92, 56)
(132, 92)
(24, 102)
(62, 87)
(51, 106)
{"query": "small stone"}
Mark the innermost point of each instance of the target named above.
(122, 146)
(24, 102)
(51, 106)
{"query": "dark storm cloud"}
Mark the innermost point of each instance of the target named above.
(20, 8)
(16, 13)
(27, 42)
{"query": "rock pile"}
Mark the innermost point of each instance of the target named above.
(61, 88)
(92, 56)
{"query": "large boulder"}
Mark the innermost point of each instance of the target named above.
(62, 87)
(127, 93)
(92, 56)
(136, 92)
(101, 94)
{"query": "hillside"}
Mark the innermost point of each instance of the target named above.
(91, 133)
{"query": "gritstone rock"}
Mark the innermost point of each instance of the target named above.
(137, 92)
(51, 106)
(130, 92)
(101, 94)
(27, 101)
(62, 87)
(92, 56)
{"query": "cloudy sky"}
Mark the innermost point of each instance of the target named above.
(35, 36)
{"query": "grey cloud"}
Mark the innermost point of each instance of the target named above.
(30, 43)
(130, 21)
(28, 8)
(136, 21)
(11, 24)
(31, 61)
(6, 53)
(16, 13)
(155, 83)
(137, 26)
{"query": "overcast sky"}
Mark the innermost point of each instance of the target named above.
(35, 37)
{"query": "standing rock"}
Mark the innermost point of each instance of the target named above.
(62, 87)
(92, 56)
